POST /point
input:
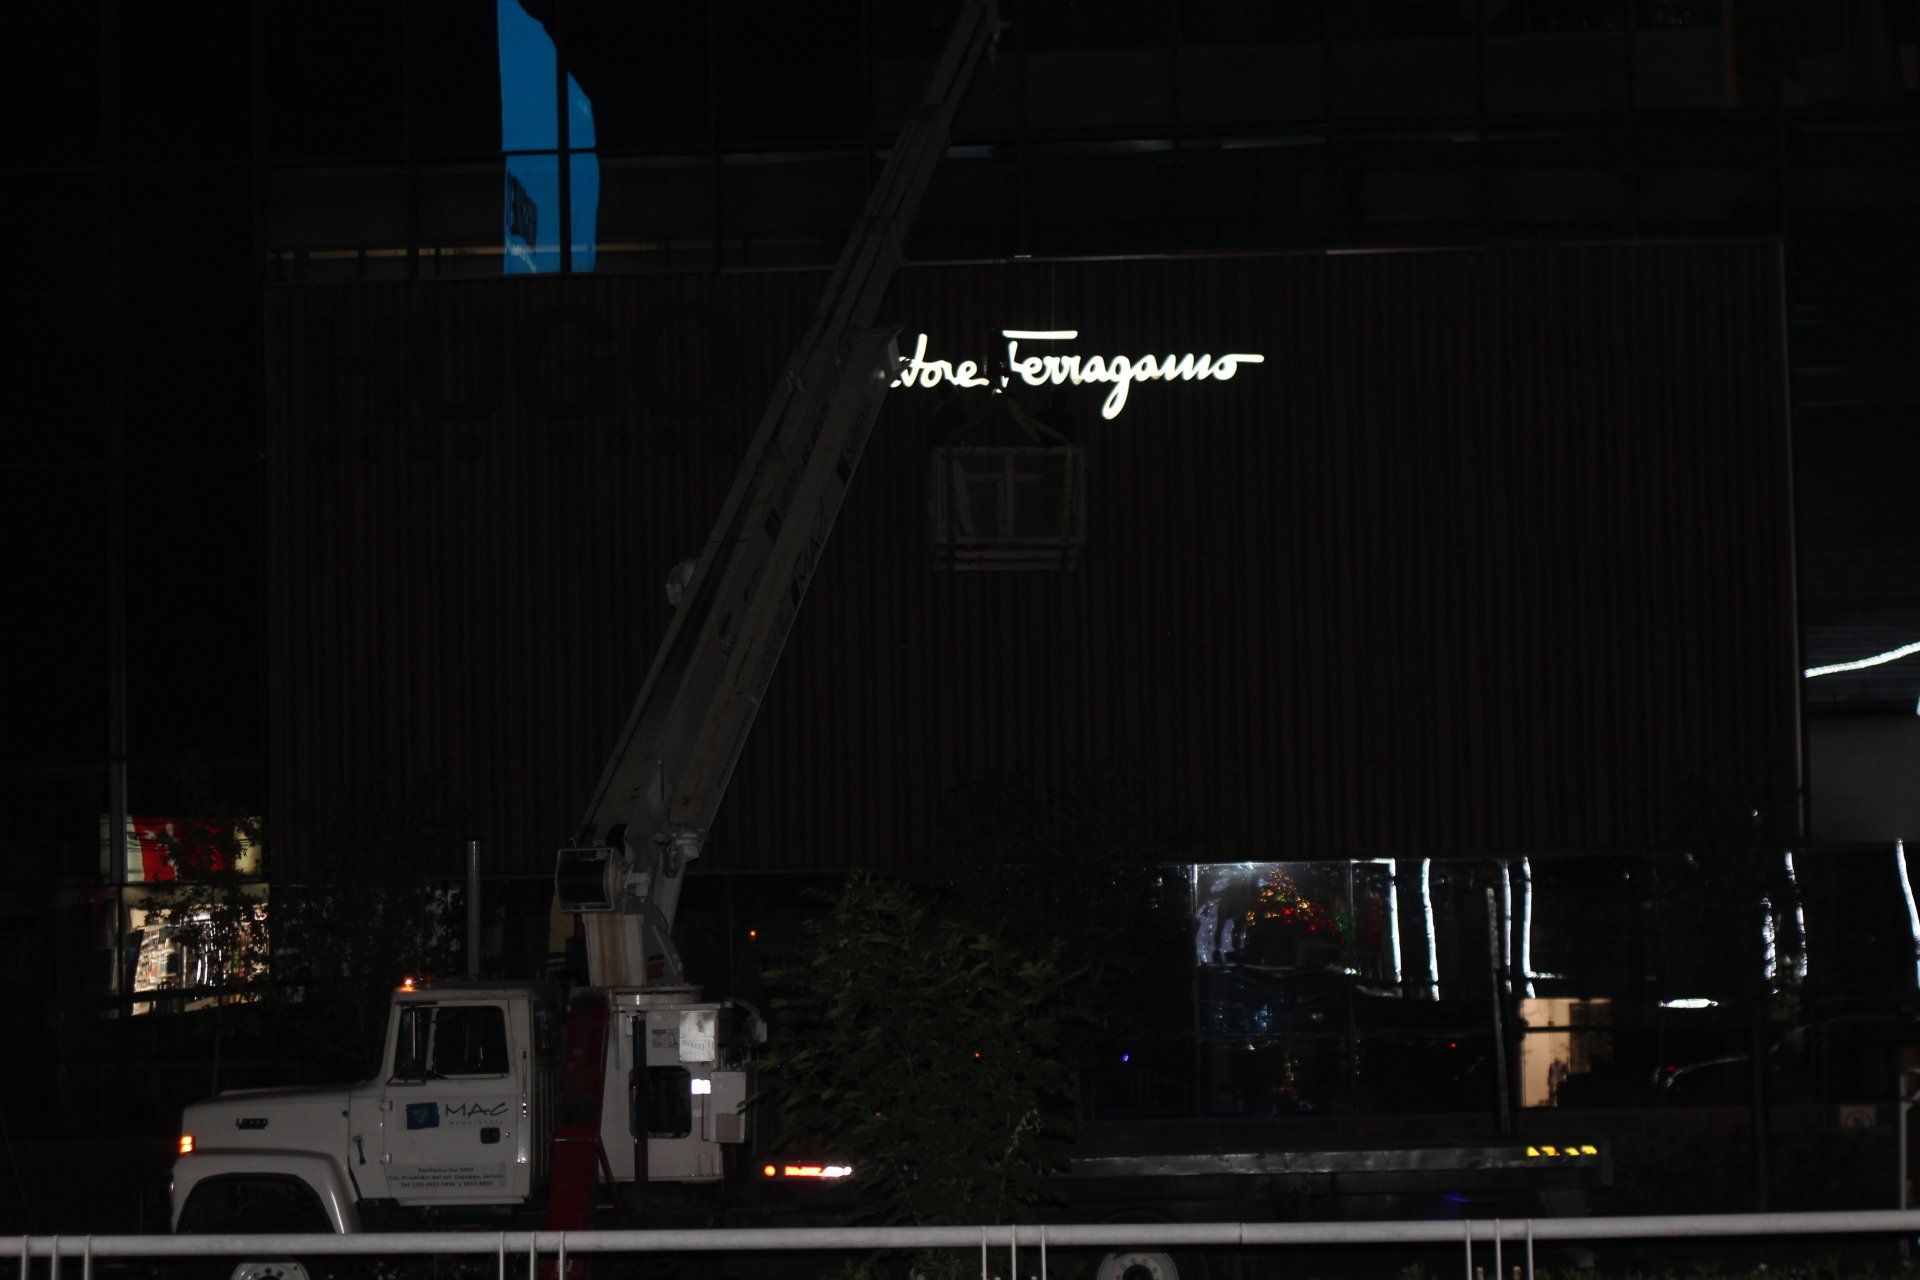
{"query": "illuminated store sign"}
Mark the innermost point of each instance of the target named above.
(1052, 367)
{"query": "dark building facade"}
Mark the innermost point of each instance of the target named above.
(1490, 552)
(203, 152)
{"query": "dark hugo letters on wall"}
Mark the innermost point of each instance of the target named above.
(394, 388)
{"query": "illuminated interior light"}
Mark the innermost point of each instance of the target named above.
(1769, 944)
(1877, 660)
(531, 228)
(1393, 922)
(186, 1144)
(1426, 916)
(1043, 335)
(1799, 918)
(1690, 1002)
(1906, 896)
(701, 1087)
(1506, 922)
(1526, 925)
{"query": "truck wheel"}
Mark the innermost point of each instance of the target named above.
(1140, 1266)
(280, 1269)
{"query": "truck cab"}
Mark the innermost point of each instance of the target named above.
(462, 1106)
(456, 1113)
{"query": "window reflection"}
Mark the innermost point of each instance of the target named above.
(1294, 915)
(1624, 981)
(544, 193)
(1305, 1004)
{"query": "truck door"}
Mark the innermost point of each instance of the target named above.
(456, 1103)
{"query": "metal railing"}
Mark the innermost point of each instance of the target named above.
(1485, 1239)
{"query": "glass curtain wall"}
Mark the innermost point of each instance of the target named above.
(1419, 986)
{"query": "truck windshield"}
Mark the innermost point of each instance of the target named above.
(437, 1041)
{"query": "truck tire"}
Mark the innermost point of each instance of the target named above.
(1137, 1264)
(280, 1269)
(236, 1204)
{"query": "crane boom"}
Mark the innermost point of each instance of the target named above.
(663, 783)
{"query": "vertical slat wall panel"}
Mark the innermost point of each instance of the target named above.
(1491, 555)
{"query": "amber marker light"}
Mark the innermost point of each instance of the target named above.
(186, 1144)
(806, 1172)
(817, 1171)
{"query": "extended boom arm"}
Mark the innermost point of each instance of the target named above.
(657, 798)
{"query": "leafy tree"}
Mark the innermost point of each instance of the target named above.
(365, 918)
(1081, 869)
(930, 1055)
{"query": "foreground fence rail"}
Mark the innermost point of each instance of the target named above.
(1480, 1240)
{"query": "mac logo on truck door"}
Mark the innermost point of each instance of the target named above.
(454, 1098)
(430, 1115)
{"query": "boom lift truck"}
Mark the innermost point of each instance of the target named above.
(490, 1094)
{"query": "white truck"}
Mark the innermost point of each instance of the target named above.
(512, 1096)
(465, 1110)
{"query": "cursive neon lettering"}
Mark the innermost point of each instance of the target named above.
(1032, 370)
(917, 370)
(1058, 368)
